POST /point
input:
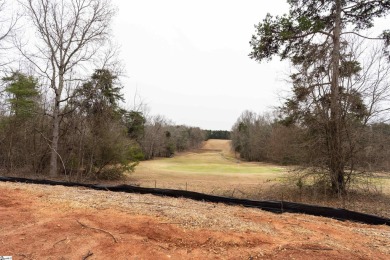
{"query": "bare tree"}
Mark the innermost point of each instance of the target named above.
(152, 142)
(69, 34)
(251, 135)
(8, 23)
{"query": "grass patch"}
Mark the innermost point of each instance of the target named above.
(217, 173)
(219, 168)
(210, 163)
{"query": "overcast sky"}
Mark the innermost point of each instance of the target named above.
(188, 59)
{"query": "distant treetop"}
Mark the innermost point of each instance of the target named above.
(217, 134)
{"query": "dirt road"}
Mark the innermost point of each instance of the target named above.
(46, 222)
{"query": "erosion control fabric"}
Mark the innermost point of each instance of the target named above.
(272, 206)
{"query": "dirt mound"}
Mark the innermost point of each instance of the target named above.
(218, 145)
(46, 222)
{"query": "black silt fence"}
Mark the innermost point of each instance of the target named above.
(272, 206)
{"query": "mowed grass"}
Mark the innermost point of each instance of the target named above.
(206, 170)
(216, 167)
(215, 170)
(214, 163)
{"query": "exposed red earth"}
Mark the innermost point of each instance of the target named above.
(54, 222)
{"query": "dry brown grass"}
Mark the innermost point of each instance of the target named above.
(257, 181)
(223, 146)
(54, 222)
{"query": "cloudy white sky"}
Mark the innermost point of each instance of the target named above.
(188, 59)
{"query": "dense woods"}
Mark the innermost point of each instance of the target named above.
(61, 112)
(162, 138)
(97, 137)
(259, 137)
(217, 134)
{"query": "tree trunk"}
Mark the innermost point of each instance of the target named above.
(336, 162)
(9, 154)
(55, 138)
(56, 126)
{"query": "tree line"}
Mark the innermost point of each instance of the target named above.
(61, 100)
(267, 138)
(97, 137)
(162, 138)
(217, 134)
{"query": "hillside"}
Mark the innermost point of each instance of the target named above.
(211, 169)
(46, 222)
(219, 145)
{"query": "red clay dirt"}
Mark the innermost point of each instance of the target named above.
(32, 226)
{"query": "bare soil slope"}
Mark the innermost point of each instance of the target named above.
(46, 222)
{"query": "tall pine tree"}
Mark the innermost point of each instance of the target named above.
(314, 30)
